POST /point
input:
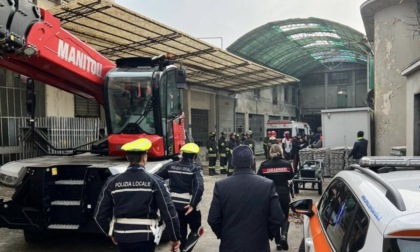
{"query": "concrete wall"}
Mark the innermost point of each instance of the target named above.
(394, 48)
(58, 103)
(413, 89)
(226, 113)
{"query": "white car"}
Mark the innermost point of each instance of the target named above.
(371, 207)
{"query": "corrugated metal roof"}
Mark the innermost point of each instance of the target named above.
(117, 32)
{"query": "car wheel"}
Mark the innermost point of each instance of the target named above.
(302, 246)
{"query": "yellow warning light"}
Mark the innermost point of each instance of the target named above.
(12, 37)
(54, 171)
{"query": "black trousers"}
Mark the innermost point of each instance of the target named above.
(145, 246)
(284, 198)
(193, 220)
(212, 161)
(223, 161)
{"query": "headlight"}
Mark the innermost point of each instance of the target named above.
(8, 180)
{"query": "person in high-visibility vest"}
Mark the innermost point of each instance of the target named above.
(124, 204)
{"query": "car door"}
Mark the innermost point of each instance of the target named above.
(343, 220)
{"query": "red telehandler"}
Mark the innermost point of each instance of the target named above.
(141, 97)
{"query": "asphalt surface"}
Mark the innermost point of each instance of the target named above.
(12, 240)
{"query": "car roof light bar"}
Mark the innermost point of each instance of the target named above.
(390, 161)
(391, 192)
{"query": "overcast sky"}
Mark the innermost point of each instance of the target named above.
(231, 19)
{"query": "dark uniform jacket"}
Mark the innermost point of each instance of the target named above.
(135, 194)
(251, 144)
(278, 170)
(245, 212)
(212, 147)
(185, 177)
(359, 149)
(222, 146)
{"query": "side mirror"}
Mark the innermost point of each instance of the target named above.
(181, 78)
(302, 207)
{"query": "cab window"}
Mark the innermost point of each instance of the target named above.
(344, 221)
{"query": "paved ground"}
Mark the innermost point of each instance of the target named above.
(12, 240)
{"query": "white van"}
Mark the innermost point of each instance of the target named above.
(281, 126)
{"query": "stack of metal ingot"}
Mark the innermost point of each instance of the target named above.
(338, 159)
(306, 154)
(324, 155)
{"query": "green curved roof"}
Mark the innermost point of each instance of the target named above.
(298, 46)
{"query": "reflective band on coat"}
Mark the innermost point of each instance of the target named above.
(132, 190)
(136, 221)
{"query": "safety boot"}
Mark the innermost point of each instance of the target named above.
(283, 237)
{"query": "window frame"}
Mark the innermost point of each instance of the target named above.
(321, 208)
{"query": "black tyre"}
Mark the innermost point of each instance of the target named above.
(36, 236)
(296, 187)
(320, 187)
(302, 246)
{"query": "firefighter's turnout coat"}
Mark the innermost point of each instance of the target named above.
(128, 204)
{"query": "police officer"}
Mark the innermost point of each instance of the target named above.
(251, 144)
(186, 186)
(280, 171)
(212, 153)
(223, 149)
(131, 200)
(232, 143)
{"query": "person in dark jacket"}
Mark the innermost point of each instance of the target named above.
(359, 148)
(232, 143)
(245, 212)
(297, 145)
(280, 171)
(223, 152)
(212, 149)
(250, 142)
(186, 186)
(128, 204)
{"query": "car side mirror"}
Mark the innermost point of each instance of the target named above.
(302, 207)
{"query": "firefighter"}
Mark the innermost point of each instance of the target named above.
(131, 200)
(251, 144)
(223, 152)
(265, 144)
(280, 171)
(212, 153)
(243, 139)
(232, 143)
(186, 186)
